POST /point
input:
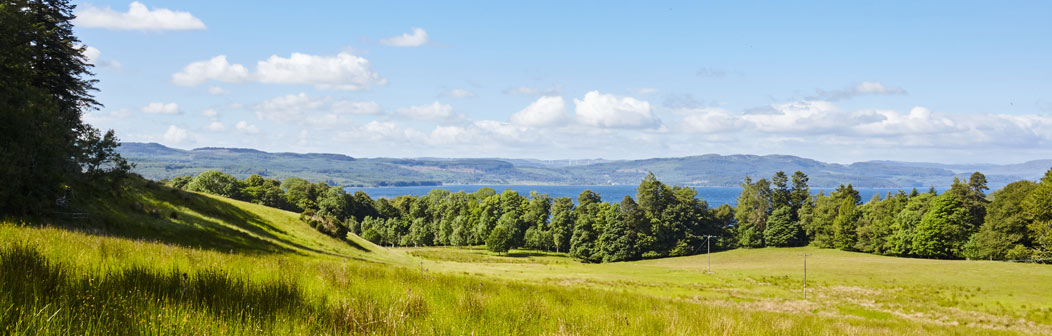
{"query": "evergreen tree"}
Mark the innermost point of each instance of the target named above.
(780, 230)
(45, 86)
(751, 215)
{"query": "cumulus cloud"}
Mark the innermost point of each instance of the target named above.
(435, 111)
(860, 89)
(138, 17)
(341, 72)
(531, 91)
(161, 108)
(294, 106)
(545, 111)
(458, 93)
(415, 39)
(175, 135)
(709, 120)
(610, 111)
(804, 116)
(245, 127)
(210, 113)
(217, 68)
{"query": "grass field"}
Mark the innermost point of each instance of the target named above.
(152, 260)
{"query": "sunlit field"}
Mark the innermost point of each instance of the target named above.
(263, 271)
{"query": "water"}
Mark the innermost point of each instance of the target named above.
(715, 196)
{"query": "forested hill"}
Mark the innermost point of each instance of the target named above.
(156, 161)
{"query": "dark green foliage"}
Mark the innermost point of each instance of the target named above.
(562, 223)
(216, 182)
(499, 240)
(1038, 209)
(1005, 226)
(943, 229)
(781, 231)
(751, 215)
(47, 152)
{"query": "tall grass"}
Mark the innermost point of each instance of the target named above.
(40, 293)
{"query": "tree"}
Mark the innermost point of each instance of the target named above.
(780, 230)
(217, 183)
(1005, 226)
(562, 223)
(751, 215)
(943, 229)
(1038, 209)
(45, 86)
(499, 240)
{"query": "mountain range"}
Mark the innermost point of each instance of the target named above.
(157, 161)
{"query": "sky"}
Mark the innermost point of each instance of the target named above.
(951, 82)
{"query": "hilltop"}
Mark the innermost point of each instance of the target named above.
(156, 161)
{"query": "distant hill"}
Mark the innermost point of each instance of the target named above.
(156, 161)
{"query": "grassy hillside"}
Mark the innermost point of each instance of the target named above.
(219, 266)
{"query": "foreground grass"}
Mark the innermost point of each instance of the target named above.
(219, 266)
(89, 284)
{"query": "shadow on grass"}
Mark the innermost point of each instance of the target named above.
(142, 209)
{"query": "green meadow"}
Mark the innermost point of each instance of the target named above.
(154, 260)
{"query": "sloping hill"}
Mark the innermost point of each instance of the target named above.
(142, 209)
(157, 162)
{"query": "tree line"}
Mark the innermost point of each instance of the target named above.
(663, 220)
(1013, 223)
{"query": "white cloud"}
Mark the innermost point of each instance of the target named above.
(210, 113)
(610, 111)
(341, 72)
(545, 111)
(434, 111)
(416, 39)
(215, 90)
(138, 17)
(175, 135)
(216, 68)
(863, 88)
(710, 120)
(161, 108)
(245, 127)
(294, 106)
(804, 116)
(216, 126)
(530, 91)
(919, 120)
(458, 93)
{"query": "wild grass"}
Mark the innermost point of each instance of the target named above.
(275, 275)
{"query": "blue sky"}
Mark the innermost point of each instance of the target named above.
(834, 81)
